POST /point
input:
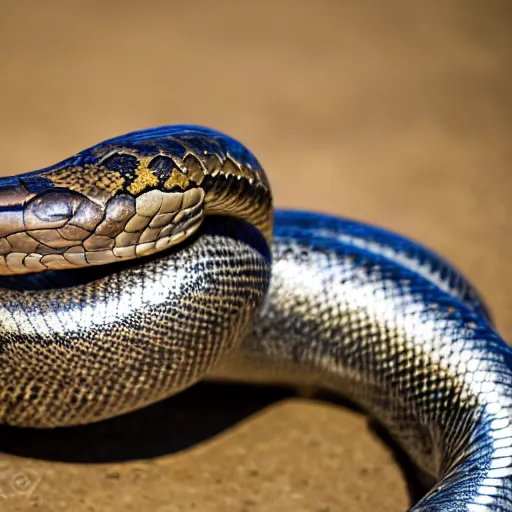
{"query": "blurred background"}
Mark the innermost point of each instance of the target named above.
(396, 113)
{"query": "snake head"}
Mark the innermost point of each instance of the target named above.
(128, 197)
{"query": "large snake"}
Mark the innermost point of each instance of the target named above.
(351, 308)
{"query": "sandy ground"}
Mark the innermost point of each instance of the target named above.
(398, 113)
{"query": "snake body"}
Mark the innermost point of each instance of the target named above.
(331, 303)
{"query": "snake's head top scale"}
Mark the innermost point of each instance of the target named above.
(128, 197)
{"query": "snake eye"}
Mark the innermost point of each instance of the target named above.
(51, 209)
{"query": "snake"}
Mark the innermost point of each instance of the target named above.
(153, 260)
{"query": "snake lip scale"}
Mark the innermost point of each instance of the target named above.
(167, 264)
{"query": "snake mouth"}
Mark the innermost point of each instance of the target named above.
(61, 231)
(218, 225)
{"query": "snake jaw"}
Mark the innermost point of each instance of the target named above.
(61, 229)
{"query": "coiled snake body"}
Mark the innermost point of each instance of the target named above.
(334, 303)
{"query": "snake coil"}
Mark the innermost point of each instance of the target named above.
(152, 260)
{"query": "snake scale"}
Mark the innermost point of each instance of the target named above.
(164, 264)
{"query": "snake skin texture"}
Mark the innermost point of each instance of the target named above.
(85, 350)
(336, 304)
(398, 342)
